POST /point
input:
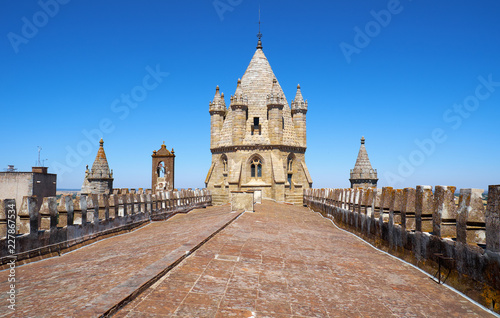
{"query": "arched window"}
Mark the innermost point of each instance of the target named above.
(289, 164)
(224, 162)
(160, 170)
(256, 168)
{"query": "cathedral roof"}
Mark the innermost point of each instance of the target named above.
(255, 85)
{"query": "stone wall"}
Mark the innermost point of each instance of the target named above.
(62, 225)
(426, 228)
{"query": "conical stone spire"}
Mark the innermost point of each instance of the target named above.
(363, 175)
(100, 178)
(100, 168)
(218, 104)
(298, 104)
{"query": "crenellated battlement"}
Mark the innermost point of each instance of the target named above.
(426, 227)
(275, 100)
(66, 223)
(239, 101)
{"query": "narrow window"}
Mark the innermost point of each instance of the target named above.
(256, 169)
(224, 163)
(256, 125)
(290, 179)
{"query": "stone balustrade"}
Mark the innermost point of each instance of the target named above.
(423, 226)
(60, 224)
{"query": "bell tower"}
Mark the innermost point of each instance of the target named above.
(162, 175)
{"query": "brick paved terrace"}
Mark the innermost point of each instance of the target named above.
(281, 261)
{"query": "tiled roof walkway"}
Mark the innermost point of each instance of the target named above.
(281, 261)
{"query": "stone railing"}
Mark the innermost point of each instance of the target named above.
(426, 228)
(67, 223)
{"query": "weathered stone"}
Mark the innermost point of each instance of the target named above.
(103, 200)
(424, 206)
(445, 215)
(65, 208)
(80, 209)
(492, 219)
(242, 200)
(408, 209)
(49, 214)
(470, 217)
(93, 208)
(397, 205)
(3, 218)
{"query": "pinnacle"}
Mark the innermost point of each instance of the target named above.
(363, 162)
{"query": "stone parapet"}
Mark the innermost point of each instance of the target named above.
(430, 226)
(65, 222)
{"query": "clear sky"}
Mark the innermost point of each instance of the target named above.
(419, 79)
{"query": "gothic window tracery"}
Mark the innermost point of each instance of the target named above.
(256, 168)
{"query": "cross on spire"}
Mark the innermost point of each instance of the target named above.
(259, 35)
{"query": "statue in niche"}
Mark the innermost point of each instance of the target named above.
(160, 170)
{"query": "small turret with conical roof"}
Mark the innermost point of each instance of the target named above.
(239, 107)
(363, 175)
(217, 111)
(299, 111)
(100, 178)
(275, 103)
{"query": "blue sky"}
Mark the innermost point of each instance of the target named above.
(419, 79)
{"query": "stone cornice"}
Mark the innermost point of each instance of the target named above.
(217, 111)
(285, 148)
(239, 106)
(295, 111)
(279, 106)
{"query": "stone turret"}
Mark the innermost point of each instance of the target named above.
(239, 107)
(363, 175)
(99, 179)
(259, 146)
(299, 110)
(217, 111)
(275, 103)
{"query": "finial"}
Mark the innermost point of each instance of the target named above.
(163, 141)
(222, 95)
(298, 86)
(101, 142)
(239, 81)
(362, 140)
(259, 35)
(217, 89)
(172, 151)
